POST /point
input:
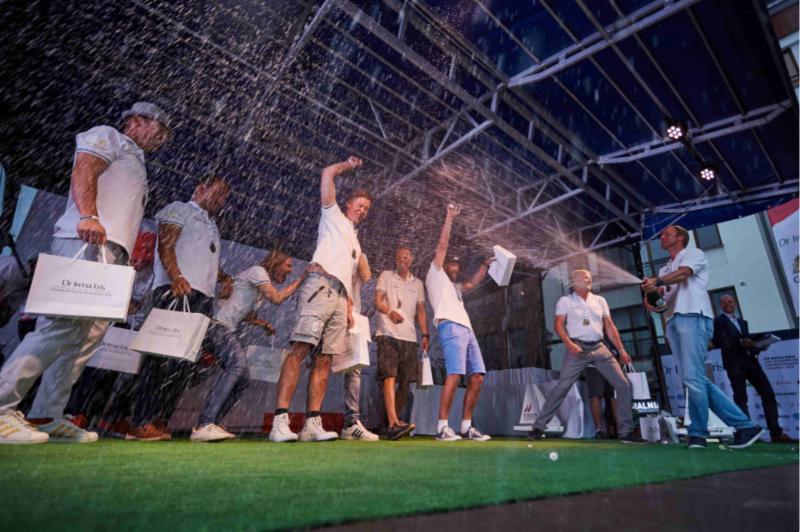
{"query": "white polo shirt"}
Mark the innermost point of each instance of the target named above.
(337, 249)
(445, 298)
(121, 188)
(246, 297)
(690, 296)
(403, 296)
(584, 317)
(197, 248)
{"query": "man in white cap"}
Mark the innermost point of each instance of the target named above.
(108, 191)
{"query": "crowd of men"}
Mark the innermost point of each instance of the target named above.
(181, 266)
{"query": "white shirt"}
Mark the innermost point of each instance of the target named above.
(246, 297)
(197, 249)
(690, 296)
(735, 321)
(338, 249)
(403, 296)
(584, 316)
(445, 298)
(121, 188)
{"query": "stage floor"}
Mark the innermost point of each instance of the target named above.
(250, 484)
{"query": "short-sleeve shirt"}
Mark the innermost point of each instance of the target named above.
(691, 295)
(121, 187)
(337, 249)
(197, 248)
(445, 297)
(584, 317)
(403, 296)
(246, 297)
(12, 283)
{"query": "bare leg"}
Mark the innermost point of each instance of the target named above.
(448, 392)
(474, 384)
(290, 373)
(318, 382)
(388, 400)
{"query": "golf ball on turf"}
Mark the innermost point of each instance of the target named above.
(552, 456)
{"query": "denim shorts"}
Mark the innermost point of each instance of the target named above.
(462, 354)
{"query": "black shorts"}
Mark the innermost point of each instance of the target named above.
(597, 385)
(397, 358)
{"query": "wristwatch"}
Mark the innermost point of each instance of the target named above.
(660, 282)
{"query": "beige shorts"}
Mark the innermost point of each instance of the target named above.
(322, 315)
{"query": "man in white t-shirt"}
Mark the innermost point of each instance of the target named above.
(324, 308)
(108, 190)
(462, 354)
(400, 302)
(683, 282)
(186, 268)
(582, 320)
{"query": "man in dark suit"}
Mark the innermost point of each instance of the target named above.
(740, 359)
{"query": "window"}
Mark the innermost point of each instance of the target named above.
(715, 295)
(707, 237)
(633, 330)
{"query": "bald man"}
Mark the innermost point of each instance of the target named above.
(582, 319)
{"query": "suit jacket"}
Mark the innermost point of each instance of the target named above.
(727, 336)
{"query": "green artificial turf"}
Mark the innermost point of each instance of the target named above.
(255, 485)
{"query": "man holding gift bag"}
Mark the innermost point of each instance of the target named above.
(108, 191)
(400, 302)
(324, 307)
(462, 354)
(187, 270)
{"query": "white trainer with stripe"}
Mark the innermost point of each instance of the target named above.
(15, 430)
(63, 430)
(357, 431)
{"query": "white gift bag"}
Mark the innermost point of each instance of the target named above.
(357, 354)
(115, 354)
(265, 363)
(76, 288)
(638, 379)
(425, 378)
(651, 431)
(172, 333)
(500, 270)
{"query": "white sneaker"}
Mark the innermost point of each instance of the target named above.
(63, 430)
(313, 431)
(211, 432)
(475, 435)
(280, 430)
(14, 429)
(447, 434)
(357, 431)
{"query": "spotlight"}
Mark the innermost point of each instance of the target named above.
(675, 130)
(707, 172)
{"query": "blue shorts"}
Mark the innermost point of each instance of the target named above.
(462, 354)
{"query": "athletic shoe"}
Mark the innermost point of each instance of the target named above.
(395, 432)
(696, 442)
(314, 431)
(148, 432)
(64, 430)
(475, 435)
(632, 438)
(536, 434)
(356, 431)
(211, 432)
(14, 429)
(447, 434)
(601, 435)
(746, 437)
(281, 432)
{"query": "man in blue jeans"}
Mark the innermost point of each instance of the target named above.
(690, 326)
(462, 355)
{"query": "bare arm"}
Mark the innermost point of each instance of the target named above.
(561, 331)
(167, 238)
(275, 296)
(83, 188)
(364, 272)
(444, 236)
(613, 333)
(678, 276)
(477, 277)
(327, 187)
(422, 321)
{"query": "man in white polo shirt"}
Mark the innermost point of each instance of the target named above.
(582, 319)
(108, 190)
(324, 307)
(400, 301)
(186, 266)
(462, 354)
(683, 282)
